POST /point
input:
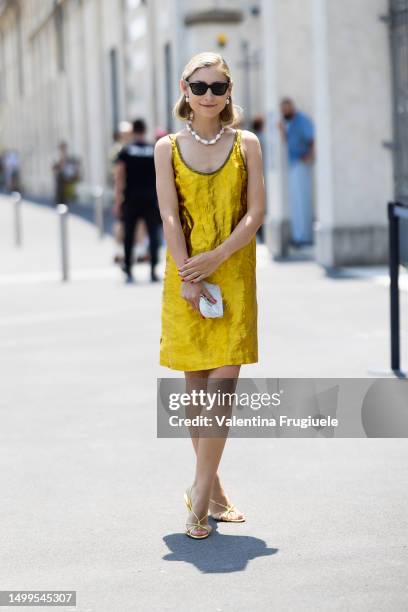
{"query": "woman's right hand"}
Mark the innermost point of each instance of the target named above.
(191, 292)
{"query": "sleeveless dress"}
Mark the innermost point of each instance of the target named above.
(211, 204)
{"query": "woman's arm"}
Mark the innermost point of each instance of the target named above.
(253, 219)
(202, 265)
(168, 201)
(169, 212)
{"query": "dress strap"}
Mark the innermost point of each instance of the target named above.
(238, 144)
(173, 145)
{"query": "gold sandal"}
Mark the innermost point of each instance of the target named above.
(226, 512)
(208, 528)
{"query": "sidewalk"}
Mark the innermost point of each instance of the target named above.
(92, 500)
(304, 315)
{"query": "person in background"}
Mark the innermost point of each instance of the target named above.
(159, 133)
(142, 237)
(114, 151)
(135, 195)
(67, 173)
(126, 132)
(298, 131)
(11, 163)
(257, 127)
(120, 137)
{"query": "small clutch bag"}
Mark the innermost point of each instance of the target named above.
(207, 308)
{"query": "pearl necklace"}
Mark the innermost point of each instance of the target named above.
(204, 140)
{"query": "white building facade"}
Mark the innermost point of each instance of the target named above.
(162, 35)
(61, 72)
(333, 58)
(72, 69)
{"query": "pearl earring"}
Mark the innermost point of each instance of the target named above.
(228, 101)
(187, 99)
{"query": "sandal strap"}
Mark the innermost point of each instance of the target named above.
(227, 508)
(198, 519)
(190, 507)
(189, 529)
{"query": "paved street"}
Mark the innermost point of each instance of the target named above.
(92, 501)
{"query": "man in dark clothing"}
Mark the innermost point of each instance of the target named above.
(135, 195)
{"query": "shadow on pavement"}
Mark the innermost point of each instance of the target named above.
(217, 554)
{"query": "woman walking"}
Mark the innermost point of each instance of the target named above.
(211, 196)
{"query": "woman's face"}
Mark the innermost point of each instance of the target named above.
(207, 105)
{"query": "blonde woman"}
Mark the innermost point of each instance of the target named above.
(211, 196)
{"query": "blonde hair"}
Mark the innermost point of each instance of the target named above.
(182, 109)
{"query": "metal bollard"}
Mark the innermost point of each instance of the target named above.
(98, 210)
(62, 210)
(393, 238)
(396, 211)
(18, 238)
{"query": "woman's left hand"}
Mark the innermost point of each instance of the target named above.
(200, 266)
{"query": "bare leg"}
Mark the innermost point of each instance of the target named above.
(196, 380)
(209, 449)
(217, 493)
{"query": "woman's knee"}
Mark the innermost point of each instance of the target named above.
(191, 375)
(227, 371)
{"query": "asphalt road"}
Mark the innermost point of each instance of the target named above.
(91, 500)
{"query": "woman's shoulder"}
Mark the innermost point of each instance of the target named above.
(250, 144)
(163, 142)
(168, 141)
(248, 137)
(164, 145)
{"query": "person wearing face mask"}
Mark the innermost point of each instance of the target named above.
(298, 131)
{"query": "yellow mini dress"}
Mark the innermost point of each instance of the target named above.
(211, 204)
